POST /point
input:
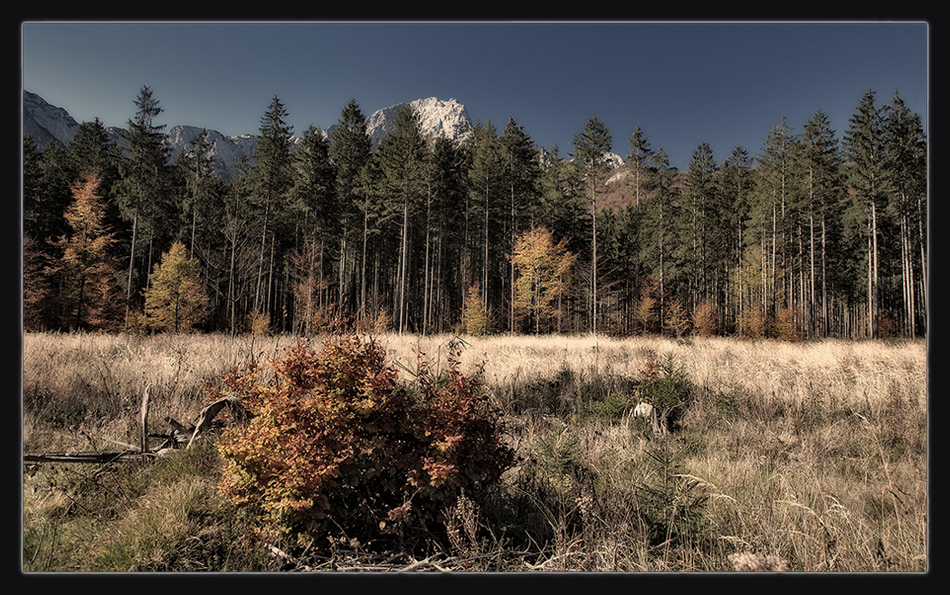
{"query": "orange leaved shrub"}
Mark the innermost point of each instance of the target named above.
(337, 443)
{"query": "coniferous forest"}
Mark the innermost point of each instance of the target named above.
(817, 233)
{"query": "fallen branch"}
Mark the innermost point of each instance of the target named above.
(178, 435)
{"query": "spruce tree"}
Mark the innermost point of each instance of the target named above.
(313, 199)
(905, 156)
(272, 176)
(821, 167)
(703, 231)
(521, 172)
(143, 188)
(350, 151)
(196, 170)
(866, 180)
(402, 155)
(662, 210)
(736, 184)
(487, 198)
(591, 146)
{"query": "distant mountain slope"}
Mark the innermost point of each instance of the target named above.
(46, 122)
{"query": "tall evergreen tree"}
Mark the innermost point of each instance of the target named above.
(272, 175)
(591, 146)
(637, 160)
(768, 220)
(866, 180)
(46, 191)
(521, 172)
(314, 203)
(196, 170)
(702, 223)
(821, 166)
(487, 198)
(143, 189)
(906, 163)
(661, 211)
(447, 193)
(402, 156)
(350, 151)
(736, 184)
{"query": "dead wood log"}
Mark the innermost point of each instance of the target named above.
(87, 457)
(144, 416)
(208, 414)
(179, 435)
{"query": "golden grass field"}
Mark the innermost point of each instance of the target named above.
(806, 457)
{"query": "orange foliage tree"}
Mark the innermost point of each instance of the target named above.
(90, 297)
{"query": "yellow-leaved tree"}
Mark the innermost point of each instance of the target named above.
(543, 275)
(175, 299)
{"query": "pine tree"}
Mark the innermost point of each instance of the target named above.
(768, 222)
(447, 190)
(195, 168)
(175, 300)
(701, 195)
(46, 191)
(736, 184)
(91, 150)
(486, 195)
(662, 210)
(637, 161)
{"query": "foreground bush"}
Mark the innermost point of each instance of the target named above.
(338, 447)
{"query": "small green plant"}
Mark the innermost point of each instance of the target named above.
(336, 442)
(666, 386)
(672, 503)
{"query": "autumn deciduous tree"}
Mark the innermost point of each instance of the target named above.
(175, 299)
(89, 296)
(543, 271)
(36, 286)
(476, 319)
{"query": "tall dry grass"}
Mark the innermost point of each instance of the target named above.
(806, 456)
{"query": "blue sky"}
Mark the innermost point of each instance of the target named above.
(682, 83)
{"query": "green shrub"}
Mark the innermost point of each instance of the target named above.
(616, 404)
(337, 442)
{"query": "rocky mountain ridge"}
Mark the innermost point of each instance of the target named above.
(46, 122)
(449, 118)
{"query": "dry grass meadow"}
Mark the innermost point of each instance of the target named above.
(803, 457)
